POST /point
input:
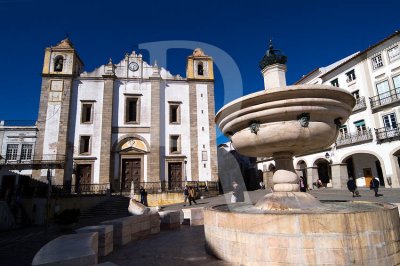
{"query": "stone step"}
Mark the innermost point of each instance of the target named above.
(115, 205)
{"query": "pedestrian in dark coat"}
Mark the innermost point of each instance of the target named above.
(143, 196)
(185, 195)
(352, 187)
(375, 186)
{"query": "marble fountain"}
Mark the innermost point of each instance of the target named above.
(288, 227)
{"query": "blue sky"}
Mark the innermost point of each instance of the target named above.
(311, 33)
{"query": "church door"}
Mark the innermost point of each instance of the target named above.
(131, 169)
(84, 177)
(174, 175)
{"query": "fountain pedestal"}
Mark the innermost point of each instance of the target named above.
(286, 188)
(288, 227)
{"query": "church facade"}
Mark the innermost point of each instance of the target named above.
(126, 122)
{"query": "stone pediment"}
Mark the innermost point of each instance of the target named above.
(132, 150)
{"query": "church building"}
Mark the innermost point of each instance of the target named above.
(126, 122)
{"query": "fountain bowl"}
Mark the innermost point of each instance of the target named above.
(297, 119)
(344, 233)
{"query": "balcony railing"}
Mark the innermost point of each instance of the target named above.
(91, 188)
(153, 187)
(385, 98)
(46, 161)
(384, 134)
(354, 138)
(360, 104)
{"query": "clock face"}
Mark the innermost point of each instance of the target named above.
(133, 66)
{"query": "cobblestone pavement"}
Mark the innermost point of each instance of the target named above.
(179, 247)
(168, 248)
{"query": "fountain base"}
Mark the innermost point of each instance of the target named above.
(287, 201)
(345, 233)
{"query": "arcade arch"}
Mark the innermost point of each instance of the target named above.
(364, 166)
(324, 171)
(301, 169)
(393, 181)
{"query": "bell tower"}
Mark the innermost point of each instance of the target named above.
(62, 59)
(199, 66)
(60, 68)
(200, 77)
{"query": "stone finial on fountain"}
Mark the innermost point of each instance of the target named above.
(273, 68)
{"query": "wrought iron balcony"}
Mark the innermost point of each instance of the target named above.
(385, 134)
(360, 104)
(354, 138)
(385, 98)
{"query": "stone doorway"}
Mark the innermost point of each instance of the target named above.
(174, 175)
(83, 176)
(324, 172)
(131, 172)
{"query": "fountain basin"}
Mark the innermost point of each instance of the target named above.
(278, 111)
(344, 233)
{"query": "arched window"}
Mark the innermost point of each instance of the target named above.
(200, 69)
(58, 63)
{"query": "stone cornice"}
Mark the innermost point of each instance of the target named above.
(200, 80)
(58, 75)
(113, 76)
(131, 130)
(91, 158)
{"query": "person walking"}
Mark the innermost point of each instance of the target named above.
(143, 196)
(185, 195)
(302, 184)
(192, 195)
(352, 187)
(374, 184)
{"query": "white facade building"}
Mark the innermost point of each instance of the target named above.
(126, 122)
(17, 147)
(368, 144)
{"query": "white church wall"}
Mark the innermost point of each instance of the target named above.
(90, 91)
(132, 88)
(203, 132)
(178, 92)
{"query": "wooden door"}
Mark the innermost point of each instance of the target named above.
(174, 175)
(83, 177)
(368, 176)
(131, 171)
